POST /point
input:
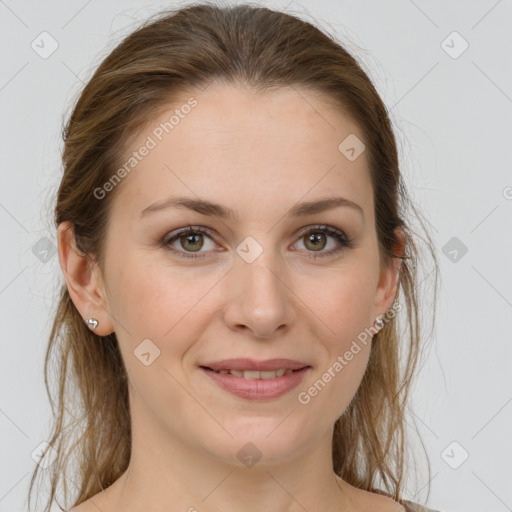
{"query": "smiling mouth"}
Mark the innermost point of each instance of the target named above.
(253, 374)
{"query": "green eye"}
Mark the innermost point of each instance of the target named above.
(191, 240)
(190, 236)
(316, 238)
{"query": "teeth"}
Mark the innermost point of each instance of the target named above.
(251, 374)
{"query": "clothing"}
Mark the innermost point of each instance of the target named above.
(410, 506)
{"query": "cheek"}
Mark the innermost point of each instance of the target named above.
(343, 300)
(343, 304)
(330, 390)
(144, 295)
(161, 302)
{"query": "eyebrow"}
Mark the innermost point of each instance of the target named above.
(206, 207)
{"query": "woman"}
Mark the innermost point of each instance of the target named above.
(231, 236)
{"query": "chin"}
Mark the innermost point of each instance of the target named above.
(261, 441)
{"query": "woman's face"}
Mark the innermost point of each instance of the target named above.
(267, 281)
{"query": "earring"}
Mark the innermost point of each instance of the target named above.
(379, 323)
(92, 323)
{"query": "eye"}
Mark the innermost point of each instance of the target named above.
(191, 240)
(315, 238)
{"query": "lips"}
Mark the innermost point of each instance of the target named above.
(256, 380)
(251, 365)
(257, 388)
(254, 374)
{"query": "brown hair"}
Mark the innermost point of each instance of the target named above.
(171, 53)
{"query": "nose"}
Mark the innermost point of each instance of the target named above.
(259, 300)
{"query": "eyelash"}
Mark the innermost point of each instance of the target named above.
(342, 239)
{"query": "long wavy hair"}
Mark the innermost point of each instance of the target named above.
(172, 52)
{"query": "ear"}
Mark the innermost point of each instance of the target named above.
(83, 280)
(389, 277)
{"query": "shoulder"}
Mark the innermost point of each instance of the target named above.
(83, 507)
(410, 506)
(365, 500)
(379, 502)
(94, 504)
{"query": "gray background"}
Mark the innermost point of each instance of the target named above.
(452, 113)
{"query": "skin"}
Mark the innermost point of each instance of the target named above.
(259, 155)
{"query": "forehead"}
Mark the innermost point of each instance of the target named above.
(245, 149)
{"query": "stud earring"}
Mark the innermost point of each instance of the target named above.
(379, 323)
(92, 323)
